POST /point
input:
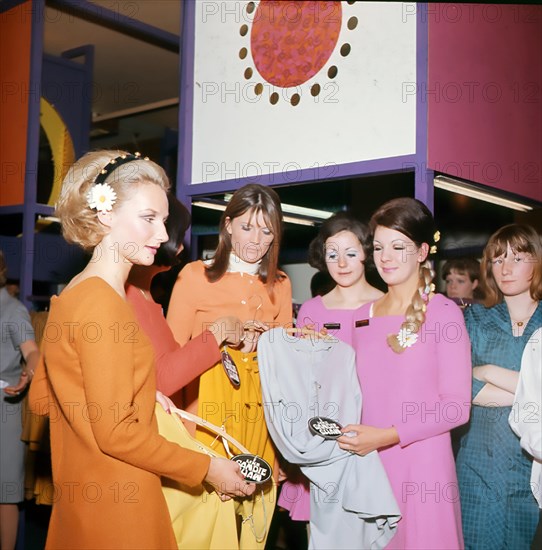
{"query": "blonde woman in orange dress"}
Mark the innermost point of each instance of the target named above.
(96, 378)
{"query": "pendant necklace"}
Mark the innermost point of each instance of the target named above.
(520, 323)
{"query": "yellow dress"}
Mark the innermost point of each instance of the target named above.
(200, 520)
(194, 306)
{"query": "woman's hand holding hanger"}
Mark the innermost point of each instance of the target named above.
(226, 479)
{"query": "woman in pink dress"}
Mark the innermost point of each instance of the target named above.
(413, 360)
(342, 248)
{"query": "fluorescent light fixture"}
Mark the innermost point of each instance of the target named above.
(52, 219)
(298, 210)
(210, 205)
(457, 186)
(213, 204)
(298, 221)
(141, 109)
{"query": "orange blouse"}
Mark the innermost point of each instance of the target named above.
(196, 303)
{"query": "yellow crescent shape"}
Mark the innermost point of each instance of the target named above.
(61, 145)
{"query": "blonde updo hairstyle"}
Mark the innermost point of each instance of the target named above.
(80, 223)
(413, 219)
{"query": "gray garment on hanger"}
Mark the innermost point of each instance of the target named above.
(352, 503)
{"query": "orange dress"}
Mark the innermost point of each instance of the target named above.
(97, 382)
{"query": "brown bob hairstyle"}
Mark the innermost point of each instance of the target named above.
(521, 238)
(254, 198)
(341, 221)
(464, 266)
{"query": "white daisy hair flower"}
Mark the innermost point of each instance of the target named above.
(101, 197)
(407, 338)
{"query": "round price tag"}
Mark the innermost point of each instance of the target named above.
(253, 468)
(325, 427)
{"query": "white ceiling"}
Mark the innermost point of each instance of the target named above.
(127, 72)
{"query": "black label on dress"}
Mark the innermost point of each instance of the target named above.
(332, 326)
(362, 323)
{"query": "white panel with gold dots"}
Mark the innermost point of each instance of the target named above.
(291, 85)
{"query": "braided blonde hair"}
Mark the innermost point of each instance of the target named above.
(411, 218)
(415, 313)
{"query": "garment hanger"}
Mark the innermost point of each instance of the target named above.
(221, 432)
(305, 332)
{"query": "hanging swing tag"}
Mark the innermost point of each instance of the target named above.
(253, 468)
(325, 427)
(230, 368)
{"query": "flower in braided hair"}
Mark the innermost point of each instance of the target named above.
(406, 337)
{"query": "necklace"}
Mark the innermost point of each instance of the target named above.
(521, 322)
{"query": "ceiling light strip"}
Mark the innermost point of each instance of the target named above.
(139, 110)
(299, 210)
(456, 186)
(221, 207)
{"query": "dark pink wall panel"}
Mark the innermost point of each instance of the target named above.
(484, 94)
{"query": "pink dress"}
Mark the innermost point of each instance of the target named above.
(295, 495)
(424, 392)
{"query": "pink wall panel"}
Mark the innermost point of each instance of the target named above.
(484, 94)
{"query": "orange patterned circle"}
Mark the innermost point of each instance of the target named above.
(291, 41)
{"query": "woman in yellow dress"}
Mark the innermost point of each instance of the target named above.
(242, 279)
